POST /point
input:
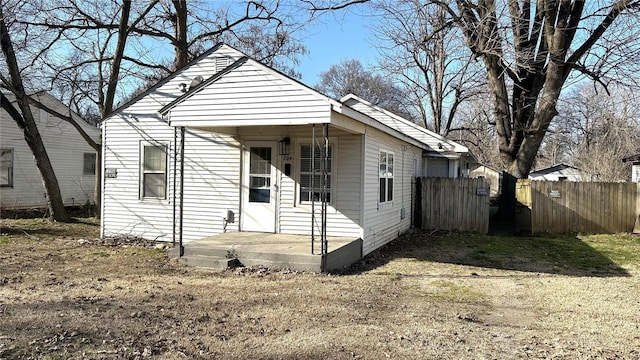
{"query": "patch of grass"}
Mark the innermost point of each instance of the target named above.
(446, 291)
(450, 291)
(595, 255)
(564, 253)
(5, 240)
(43, 229)
(624, 249)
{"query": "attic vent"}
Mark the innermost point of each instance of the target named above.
(196, 81)
(222, 62)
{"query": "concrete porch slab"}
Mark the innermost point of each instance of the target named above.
(274, 250)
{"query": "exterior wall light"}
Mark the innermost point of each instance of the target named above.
(284, 146)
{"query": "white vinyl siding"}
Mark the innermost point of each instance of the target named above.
(211, 182)
(211, 166)
(343, 213)
(6, 167)
(247, 94)
(153, 179)
(383, 222)
(65, 148)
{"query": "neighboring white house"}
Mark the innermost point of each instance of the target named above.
(635, 167)
(492, 175)
(73, 160)
(244, 134)
(559, 172)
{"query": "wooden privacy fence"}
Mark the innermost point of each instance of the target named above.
(567, 206)
(454, 204)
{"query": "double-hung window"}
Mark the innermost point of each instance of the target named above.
(154, 171)
(89, 165)
(386, 176)
(6, 167)
(309, 191)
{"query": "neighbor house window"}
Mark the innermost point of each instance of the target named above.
(386, 176)
(307, 192)
(154, 171)
(89, 164)
(6, 167)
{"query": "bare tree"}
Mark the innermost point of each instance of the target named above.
(529, 52)
(351, 77)
(25, 120)
(90, 54)
(600, 129)
(114, 46)
(476, 131)
(422, 48)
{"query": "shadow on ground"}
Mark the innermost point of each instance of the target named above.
(559, 254)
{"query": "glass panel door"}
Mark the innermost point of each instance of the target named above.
(260, 175)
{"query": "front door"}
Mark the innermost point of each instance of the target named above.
(259, 187)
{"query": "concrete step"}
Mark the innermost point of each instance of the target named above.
(213, 251)
(298, 262)
(210, 262)
(221, 256)
(193, 257)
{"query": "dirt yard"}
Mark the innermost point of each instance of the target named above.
(65, 294)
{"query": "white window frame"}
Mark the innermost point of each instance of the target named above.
(9, 168)
(91, 164)
(331, 190)
(143, 171)
(385, 177)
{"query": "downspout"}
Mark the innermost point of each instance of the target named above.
(181, 187)
(324, 163)
(175, 182)
(313, 176)
(102, 176)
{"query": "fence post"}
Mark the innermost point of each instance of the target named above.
(417, 206)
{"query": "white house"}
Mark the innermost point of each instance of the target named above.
(226, 144)
(635, 167)
(73, 160)
(559, 172)
(492, 175)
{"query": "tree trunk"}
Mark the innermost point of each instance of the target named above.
(31, 135)
(28, 126)
(182, 46)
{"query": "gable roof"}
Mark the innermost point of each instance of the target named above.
(51, 105)
(350, 106)
(163, 81)
(632, 158)
(436, 142)
(554, 168)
